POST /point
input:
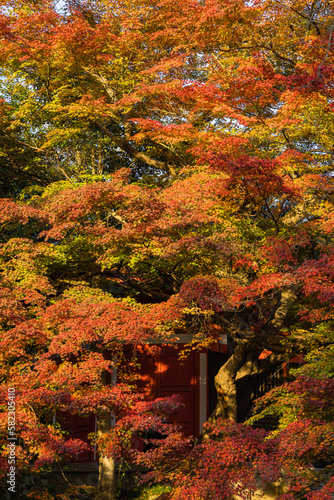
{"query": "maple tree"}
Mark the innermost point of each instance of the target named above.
(59, 355)
(174, 172)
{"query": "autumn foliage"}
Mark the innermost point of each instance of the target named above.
(167, 167)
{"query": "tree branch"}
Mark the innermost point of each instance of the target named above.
(103, 81)
(297, 213)
(124, 144)
(128, 283)
(286, 299)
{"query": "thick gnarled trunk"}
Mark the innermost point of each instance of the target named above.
(225, 383)
(238, 380)
(244, 372)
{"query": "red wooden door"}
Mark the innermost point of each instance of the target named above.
(164, 375)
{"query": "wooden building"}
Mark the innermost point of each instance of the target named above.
(163, 375)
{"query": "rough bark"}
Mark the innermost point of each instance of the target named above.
(107, 478)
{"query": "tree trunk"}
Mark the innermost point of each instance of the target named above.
(243, 373)
(106, 465)
(225, 382)
(238, 380)
(248, 379)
